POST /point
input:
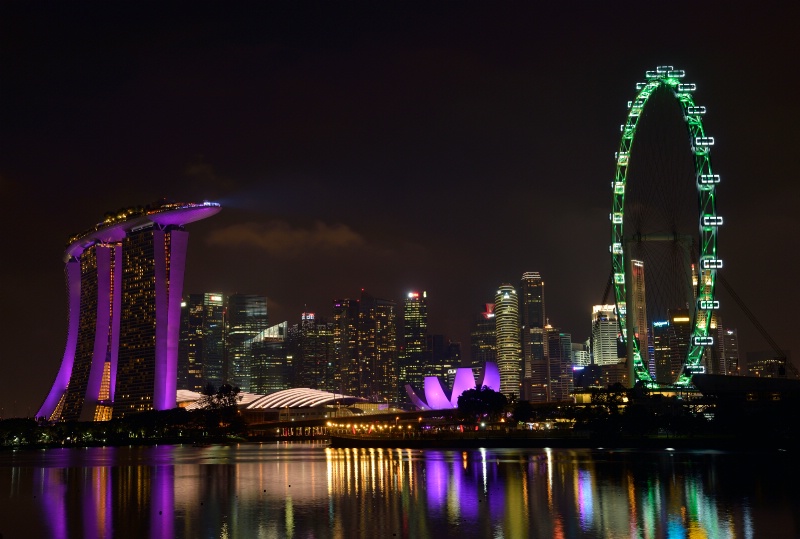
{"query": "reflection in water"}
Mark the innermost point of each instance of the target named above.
(294, 491)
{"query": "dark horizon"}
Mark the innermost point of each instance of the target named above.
(446, 148)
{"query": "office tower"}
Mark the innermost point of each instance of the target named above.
(559, 346)
(443, 357)
(729, 353)
(661, 353)
(377, 349)
(680, 334)
(245, 317)
(311, 347)
(413, 356)
(638, 309)
(770, 364)
(345, 346)
(581, 356)
(605, 330)
(269, 368)
(125, 280)
(483, 339)
(533, 320)
(202, 346)
(506, 310)
(436, 348)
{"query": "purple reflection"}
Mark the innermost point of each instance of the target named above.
(585, 498)
(434, 394)
(162, 496)
(73, 274)
(53, 496)
(491, 376)
(436, 475)
(95, 511)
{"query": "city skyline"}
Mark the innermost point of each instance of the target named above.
(386, 148)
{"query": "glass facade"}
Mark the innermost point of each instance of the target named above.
(506, 310)
(245, 317)
(414, 356)
(377, 349)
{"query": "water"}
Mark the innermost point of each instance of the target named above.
(310, 491)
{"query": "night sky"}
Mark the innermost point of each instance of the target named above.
(397, 146)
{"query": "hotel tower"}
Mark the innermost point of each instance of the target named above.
(124, 285)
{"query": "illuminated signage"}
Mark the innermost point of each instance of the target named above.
(661, 324)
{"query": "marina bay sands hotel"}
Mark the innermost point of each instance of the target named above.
(125, 281)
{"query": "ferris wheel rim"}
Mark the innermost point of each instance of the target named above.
(708, 220)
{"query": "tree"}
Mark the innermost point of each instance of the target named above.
(522, 411)
(481, 403)
(219, 409)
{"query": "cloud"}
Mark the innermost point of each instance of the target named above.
(205, 178)
(280, 239)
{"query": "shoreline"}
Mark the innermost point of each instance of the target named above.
(687, 442)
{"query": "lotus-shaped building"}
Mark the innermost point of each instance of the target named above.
(436, 396)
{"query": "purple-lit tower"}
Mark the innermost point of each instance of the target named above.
(124, 283)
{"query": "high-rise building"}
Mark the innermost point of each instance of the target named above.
(483, 338)
(661, 353)
(377, 349)
(201, 350)
(442, 357)
(269, 368)
(680, 334)
(605, 330)
(581, 357)
(532, 315)
(413, 355)
(345, 346)
(729, 352)
(125, 280)
(245, 317)
(311, 346)
(509, 362)
(638, 309)
(559, 346)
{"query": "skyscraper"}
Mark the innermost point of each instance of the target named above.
(125, 280)
(532, 318)
(483, 338)
(638, 308)
(661, 355)
(506, 310)
(377, 349)
(201, 355)
(345, 346)
(559, 346)
(680, 334)
(245, 317)
(269, 368)
(414, 356)
(605, 330)
(311, 346)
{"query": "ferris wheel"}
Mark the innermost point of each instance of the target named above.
(664, 224)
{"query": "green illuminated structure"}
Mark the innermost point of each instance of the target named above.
(707, 261)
